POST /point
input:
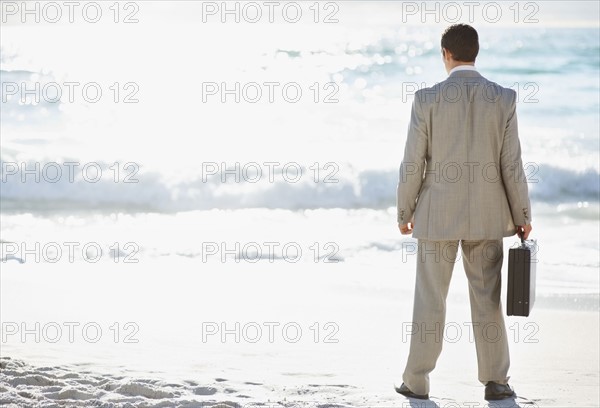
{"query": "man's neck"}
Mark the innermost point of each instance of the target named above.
(459, 63)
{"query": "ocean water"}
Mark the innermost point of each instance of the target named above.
(170, 199)
(168, 151)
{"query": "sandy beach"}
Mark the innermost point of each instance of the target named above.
(178, 357)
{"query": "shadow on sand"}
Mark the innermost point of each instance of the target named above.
(506, 403)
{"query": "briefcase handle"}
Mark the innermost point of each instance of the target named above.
(521, 234)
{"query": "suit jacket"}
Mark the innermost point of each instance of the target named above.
(462, 176)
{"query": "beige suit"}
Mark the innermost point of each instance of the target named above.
(461, 182)
(462, 175)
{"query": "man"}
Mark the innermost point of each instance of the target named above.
(461, 181)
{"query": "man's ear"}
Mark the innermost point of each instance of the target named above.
(447, 54)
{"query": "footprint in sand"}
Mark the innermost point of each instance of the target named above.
(205, 390)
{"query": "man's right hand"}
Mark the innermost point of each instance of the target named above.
(524, 229)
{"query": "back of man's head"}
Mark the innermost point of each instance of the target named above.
(462, 41)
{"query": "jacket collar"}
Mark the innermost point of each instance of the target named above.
(465, 74)
(463, 67)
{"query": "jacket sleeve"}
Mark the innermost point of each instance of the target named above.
(513, 175)
(413, 163)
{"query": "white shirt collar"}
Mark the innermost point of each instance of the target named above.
(462, 68)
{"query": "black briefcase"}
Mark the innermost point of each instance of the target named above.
(521, 279)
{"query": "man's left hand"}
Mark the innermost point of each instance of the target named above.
(406, 229)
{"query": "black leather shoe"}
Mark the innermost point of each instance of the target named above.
(495, 391)
(403, 389)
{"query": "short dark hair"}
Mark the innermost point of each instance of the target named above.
(462, 41)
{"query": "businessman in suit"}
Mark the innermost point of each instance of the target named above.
(461, 182)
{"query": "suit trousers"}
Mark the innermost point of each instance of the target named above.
(482, 262)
